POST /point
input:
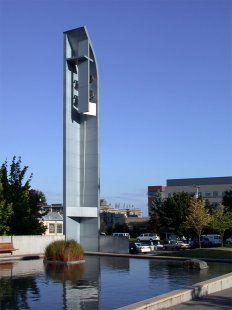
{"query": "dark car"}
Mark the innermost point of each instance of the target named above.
(133, 248)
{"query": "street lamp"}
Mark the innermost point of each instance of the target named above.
(197, 190)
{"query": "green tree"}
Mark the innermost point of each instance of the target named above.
(221, 220)
(227, 200)
(173, 213)
(155, 207)
(198, 217)
(27, 214)
(5, 212)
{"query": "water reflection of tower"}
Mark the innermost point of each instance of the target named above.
(84, 292)
(120, 263)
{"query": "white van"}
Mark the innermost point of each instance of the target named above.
(121, 235)
(212, 238)
(148, 237)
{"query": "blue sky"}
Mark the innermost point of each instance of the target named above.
(165, 71)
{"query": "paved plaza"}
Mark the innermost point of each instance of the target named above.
(221, 300)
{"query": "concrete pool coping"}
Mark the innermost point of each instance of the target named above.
(183, 295)
(152, 256)
(165, 300)
(141, 256)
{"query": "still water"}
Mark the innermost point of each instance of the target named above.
(103, 283)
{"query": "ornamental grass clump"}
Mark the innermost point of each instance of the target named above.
(64, 251)
(64, 272)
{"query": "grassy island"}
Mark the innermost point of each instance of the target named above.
(64, 251)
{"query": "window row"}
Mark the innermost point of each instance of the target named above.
(55, 228)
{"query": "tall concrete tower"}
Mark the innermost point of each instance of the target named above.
(81, 140)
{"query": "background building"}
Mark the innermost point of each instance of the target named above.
(153, 192)
(54, 207)
(54, 223)
(211, 188)
(132, 217)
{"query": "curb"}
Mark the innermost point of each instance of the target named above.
(179, 296)
(142, 256)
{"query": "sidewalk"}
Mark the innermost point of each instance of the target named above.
(221, 300)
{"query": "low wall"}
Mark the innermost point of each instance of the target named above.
(110, 244)
(179, 296)
(29, 245)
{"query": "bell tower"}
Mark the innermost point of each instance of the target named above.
(81, 140)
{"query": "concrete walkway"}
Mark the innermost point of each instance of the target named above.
(221, 300)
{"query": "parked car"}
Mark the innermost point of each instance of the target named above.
(229, 240)
(171, 246)
(177, 245)
(148, 237)
(127, 235)
(132, 248)
(182, 245)
(159, 247)
(102, 234)
(156, 245)
(135, 247)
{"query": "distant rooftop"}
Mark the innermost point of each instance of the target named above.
(200, 181)
(53, 216)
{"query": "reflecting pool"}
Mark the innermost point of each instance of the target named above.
(103, 283)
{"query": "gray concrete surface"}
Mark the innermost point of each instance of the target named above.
(182, 296)
(221, 300)
(29, 245)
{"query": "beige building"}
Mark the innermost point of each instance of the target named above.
(54, 207)
(208, 188)
(211, 189)
(54, 223)
(112, 216)
(127, 212)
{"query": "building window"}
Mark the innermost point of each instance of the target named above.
(215, 194)
(207, 194)
(51, 228)
(59, 228)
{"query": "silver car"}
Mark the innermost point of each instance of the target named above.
(142, 248)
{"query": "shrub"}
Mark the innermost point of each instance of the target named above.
(64, 251)
(64, 272)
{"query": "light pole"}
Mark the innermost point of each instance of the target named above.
(197, 190)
